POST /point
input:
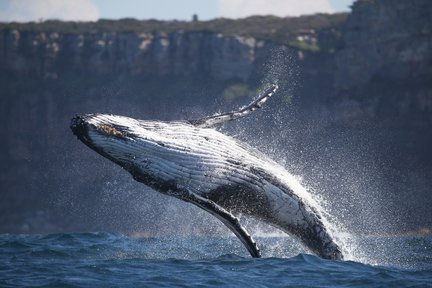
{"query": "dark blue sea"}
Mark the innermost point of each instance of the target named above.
(116, 260)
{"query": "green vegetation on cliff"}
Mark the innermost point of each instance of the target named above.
(301, 32)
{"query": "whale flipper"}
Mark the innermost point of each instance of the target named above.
(227, 218)
(219, 118)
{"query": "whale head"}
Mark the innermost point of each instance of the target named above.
(121, 139)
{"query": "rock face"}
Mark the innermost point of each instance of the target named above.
(387, 40)
(386, 59)
(175, 54)
(381, 70)
(377, 73)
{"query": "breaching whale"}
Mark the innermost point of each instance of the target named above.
(193, 162)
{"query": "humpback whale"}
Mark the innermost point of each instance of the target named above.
(194, 162)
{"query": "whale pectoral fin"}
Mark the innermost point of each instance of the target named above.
(227, 218)
(219, 118)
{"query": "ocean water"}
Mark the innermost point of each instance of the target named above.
(116, 260)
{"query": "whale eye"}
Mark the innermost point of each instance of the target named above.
(112, 131)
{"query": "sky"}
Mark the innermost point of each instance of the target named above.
(92, 10)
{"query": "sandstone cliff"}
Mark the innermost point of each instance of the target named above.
(384, 69)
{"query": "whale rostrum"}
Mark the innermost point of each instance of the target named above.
(193, 162)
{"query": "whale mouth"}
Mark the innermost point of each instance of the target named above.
(82, 125)
(80, 128)
(78, 125)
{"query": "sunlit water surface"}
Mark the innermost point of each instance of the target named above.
(115, 260)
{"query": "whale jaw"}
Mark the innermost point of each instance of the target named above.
(106, 138)
(79, 128)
